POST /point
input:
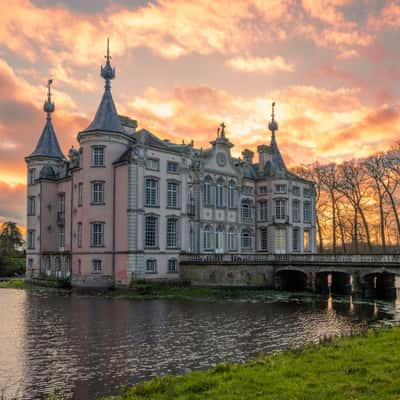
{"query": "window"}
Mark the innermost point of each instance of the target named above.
(263, 190)
(306, 241)
(57, 264)
(296, 191)
(207, 238)
(231, 194)
(247, 190)
(151, 231)
(96, 265)
(264, 239)
(280, 241)
(231, 239)
(172, 265)
(80, 194)
(151, 266)
(31, 239)
(280, 188)
(296, 239)
(97, 156)
(151, 199)
(207, 191)
(153, 164)
(47, 264)
(79, 266)
(192, 240)
(280, 209)
(172, 194)
(30, 263)
(245, 209)
(31, 176)
(61, 203)
(172, 232)
(172, 167)
(31, 205)
(61, 238)
(97, 234)
(97, 193)
(263, 210)
(306, 192)
(296, 210)
(219, 193)
(219, 239)
(79, 235)
(246, 239)
(307, 212)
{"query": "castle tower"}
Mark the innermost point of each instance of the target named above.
(43, 167)
(93, 219)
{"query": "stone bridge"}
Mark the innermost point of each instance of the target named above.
(368, 275)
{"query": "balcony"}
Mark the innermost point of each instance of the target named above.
(60, 218)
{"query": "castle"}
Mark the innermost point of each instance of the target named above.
(127, 204)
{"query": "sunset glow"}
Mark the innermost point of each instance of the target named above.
(182, 67)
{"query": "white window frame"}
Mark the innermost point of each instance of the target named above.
(97, 234)
(31, 176)
(307, 212)
(172, 233)
(264, 239)
(98, 156)
(97, 192)
(153, 164)
(172, 167)
(151, 192)
(246, 239)
(172, 265)
(207, 191)
(219, 193)
(245, 209)
(207, 238)
(281, 188)
(31, 205)
(80, 194)
(79, 235)
(296, 210)
(61, 238)
(97, 265)
(31, 239)
(231, 194)
(280, 209)
(307, 240)
(151, 266)
(263, 210)
(151, 239)
(232, 239)
(172, 194)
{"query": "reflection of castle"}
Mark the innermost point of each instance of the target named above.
(126, 203)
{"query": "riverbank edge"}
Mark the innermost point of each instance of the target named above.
(163, 290)
(362, 366)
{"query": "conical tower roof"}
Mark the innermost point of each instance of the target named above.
(106, 118)
(48, 145)
(277, 159)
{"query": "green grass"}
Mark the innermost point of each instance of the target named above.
(187, 292)
(348, 368)
(17, 283)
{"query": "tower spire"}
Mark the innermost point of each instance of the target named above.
(107, 71)
(273, 125)
(48, 106)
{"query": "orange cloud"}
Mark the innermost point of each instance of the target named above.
(263, 65)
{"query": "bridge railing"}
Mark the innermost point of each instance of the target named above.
(266, 258)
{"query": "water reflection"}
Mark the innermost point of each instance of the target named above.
(90, 346)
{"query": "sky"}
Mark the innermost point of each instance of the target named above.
(183, 67)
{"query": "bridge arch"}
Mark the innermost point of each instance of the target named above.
(291, 279)
(333, 281)
(380, 284)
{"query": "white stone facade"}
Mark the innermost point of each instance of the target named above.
(126, 204)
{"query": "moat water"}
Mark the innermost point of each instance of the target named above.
(89, 346)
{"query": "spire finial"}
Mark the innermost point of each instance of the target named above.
(273, 125)
(107, 72)
(48, 106)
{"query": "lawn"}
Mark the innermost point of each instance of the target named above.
(362, 367)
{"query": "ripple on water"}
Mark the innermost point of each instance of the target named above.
(91, 346)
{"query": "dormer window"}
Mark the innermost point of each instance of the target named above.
(296, 191)
(98, 156)
(306, 192)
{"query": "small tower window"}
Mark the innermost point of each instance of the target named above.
(98, 156)
(31, 176)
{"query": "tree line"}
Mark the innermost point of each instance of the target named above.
(357, 203)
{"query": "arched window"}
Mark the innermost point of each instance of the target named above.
(231, 239)
(207, 238)
(207, 191)
(245, 209)
(219, 193)
(231, 194)
(246, 239)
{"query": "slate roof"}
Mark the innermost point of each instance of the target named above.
(48, 145)
(106, 118)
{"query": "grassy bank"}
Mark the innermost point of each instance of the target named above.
(14, 283)
(348, 368)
